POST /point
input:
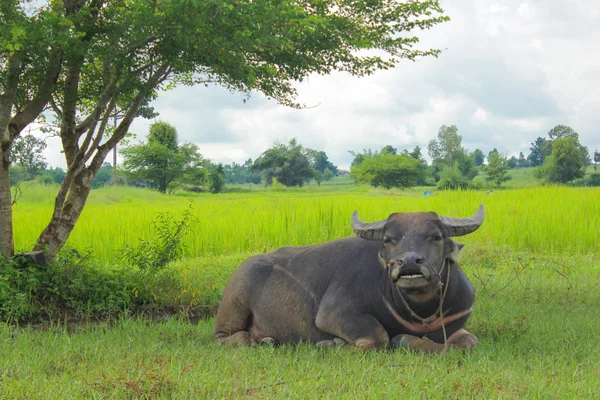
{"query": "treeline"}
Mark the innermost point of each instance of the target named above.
(162, 163)
(560, 158)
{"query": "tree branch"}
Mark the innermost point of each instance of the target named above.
(41, 99)
(93, 118)
(102, 128)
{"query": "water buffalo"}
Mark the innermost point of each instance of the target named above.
(396, 283)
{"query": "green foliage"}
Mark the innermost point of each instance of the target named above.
(388, 149)
(164, 134)
(104, 176)
(162, 162)
(478, 157)
(17, 174)
(290, 164)
(596, 158)
(387, 170)
(328, 175)
(26, 152)
(496, 170)
(164, 247)
(321, 163)
(540, 149)
(564, 164)
(71, 284)
(452, 178)
(447, 151)
(241, 173)
(522, 162)
(216, 178)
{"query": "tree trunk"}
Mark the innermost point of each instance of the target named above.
(53, 238)
(6, 233)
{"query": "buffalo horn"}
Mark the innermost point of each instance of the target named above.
(462, 226)
(367, 230)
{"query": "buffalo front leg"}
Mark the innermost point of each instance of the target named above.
(363, 331)
(460, 340)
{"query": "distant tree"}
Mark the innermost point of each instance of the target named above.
(161, 161)
(26, 151)
(290, 164)
(104, 175)
(512, 162)
(478, 157)
(417, 154)
(17, 174)
(493, 151)
(446, 151)
(596, 159)
(216, 178)
(522, 162)
(564, 164)
(447, 147)
(387, 170)
(466, 166)
(57, 174)
(540, 149)
(328, 175)
(241, 173)
(424, 172)
(358, 157)
(562, 131)
(451, 178)
(389, 150)
(321, 163)
(496, 170)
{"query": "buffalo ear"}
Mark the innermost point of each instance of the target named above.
(456, 248)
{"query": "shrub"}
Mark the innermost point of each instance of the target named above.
(154, 254)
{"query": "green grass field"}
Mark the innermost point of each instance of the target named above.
(534, 264)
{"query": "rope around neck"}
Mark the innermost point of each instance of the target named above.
(433, 317)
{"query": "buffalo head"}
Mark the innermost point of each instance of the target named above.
(415, 246)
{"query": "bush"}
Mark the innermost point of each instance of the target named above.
(154, 254)
(452, 178)
(72, 284)
(592, 180)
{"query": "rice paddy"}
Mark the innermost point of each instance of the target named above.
(550, 219)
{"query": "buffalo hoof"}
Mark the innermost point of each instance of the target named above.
(464, 340)
(238, 339)
(336, 342)
(403, 341)
(416, 344)
(268, 341)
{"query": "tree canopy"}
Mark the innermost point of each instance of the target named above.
(565, 163)
(289, 163)
(26, 151)
(387, 170)
(496, 171)
(162, 161)
(89, 60)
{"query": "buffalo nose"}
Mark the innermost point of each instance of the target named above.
(411, 259)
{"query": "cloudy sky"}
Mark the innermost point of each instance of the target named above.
(509, 72)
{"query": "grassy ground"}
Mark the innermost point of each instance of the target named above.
(533, 263)
(534, 319)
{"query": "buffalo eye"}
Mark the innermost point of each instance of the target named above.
(437, 238)
(388, 240)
